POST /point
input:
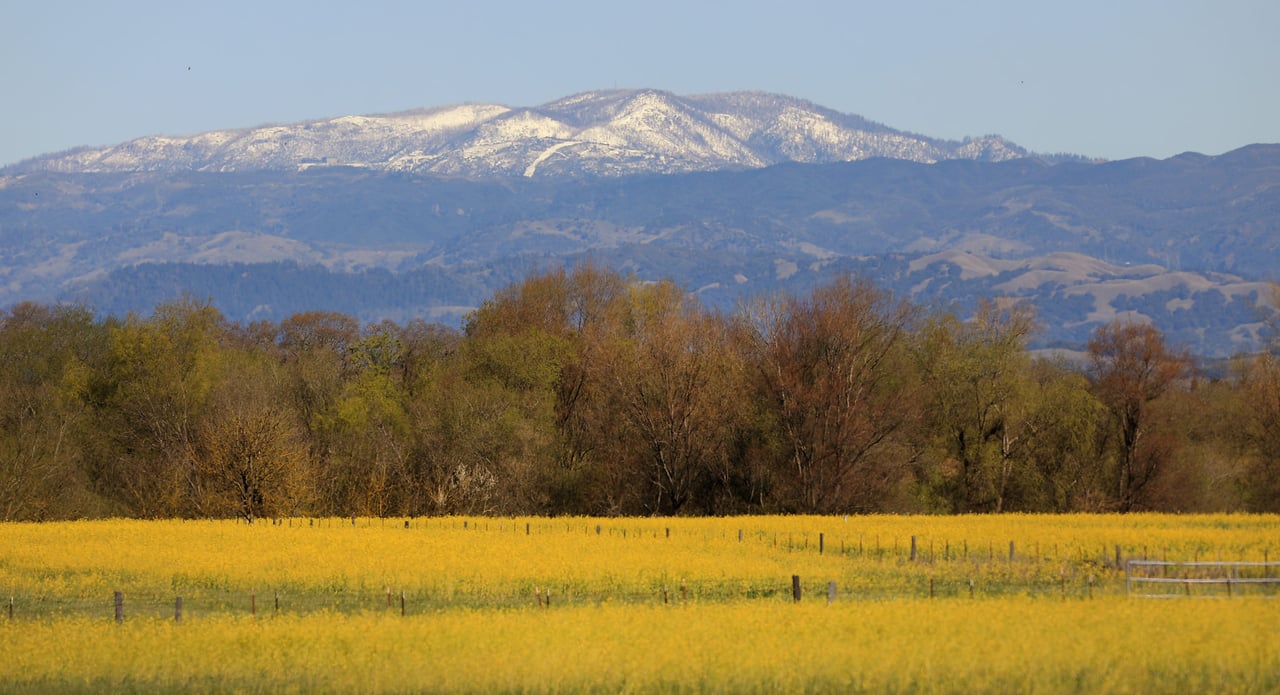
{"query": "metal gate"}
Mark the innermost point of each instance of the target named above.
(1163, 579)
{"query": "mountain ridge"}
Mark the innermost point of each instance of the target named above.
(592, 134)
(730, 195)
(1189, 242)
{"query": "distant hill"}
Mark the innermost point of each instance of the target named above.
(796, 194)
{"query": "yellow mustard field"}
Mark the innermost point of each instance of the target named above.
(985, 604)
(1016, 644)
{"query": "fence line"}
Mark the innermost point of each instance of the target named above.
(1206, 575)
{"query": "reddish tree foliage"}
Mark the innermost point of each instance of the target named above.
(1131, 366)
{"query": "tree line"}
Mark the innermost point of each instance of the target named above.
(583, 391)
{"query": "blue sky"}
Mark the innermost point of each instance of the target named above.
(1111, 79)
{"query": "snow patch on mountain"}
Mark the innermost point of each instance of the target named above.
(601, 133)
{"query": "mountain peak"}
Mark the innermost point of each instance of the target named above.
(598, 133)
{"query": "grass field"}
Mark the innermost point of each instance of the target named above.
(982, 604)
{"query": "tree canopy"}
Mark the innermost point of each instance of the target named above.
(583, 391)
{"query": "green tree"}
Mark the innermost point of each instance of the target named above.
(1061, 424)
(979, 404)
(501, 410)
(313, 348)
(367, 429)
(546, 337)
(46, 355)
(149, 404)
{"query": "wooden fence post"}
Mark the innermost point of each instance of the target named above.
(822, 542)
(831, 593)
(177, 609)
(119, 607)
(795, 587)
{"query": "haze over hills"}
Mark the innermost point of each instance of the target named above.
(427, 213)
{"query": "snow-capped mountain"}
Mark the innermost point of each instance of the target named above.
(427, 213)
(603, 133)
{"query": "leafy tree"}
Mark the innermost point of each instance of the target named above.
(568, 319)
(476, 449)
(502, 408)
(46, 354)
(313, 348)
(367, 429)
(979, 401)
(150, 402)
(1061, 423)
(585, 392)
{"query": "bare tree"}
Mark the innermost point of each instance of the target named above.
(672, 380)
(252, 464)
(832, 372)
(1131, 366)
